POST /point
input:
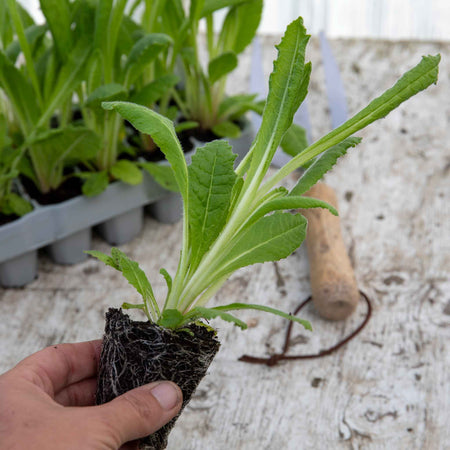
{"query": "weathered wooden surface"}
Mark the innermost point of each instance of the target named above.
(390, 388)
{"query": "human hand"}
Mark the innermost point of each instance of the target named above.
(46, 403)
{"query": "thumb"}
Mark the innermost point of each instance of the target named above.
(142, 411)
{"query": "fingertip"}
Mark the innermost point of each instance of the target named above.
(168, 394)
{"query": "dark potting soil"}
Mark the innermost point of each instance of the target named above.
(69, 189)
(4, 218)
(136, 353)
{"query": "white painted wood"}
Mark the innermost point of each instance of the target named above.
(390, 388)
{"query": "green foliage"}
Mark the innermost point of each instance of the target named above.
(237, 217)
(202, 98)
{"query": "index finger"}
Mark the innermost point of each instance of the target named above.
(58, 366)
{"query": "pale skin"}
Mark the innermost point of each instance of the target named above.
(46, 403)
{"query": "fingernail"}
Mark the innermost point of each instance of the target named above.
(166, 394)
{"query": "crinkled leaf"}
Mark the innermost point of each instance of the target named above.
(127, 172)
(288, 85)
(108, 260)
(415, 80)
(269, 239)
(162, 132)
(211, 180)
(136, 277)
(221, 66)
(290, 202)
(322, 165)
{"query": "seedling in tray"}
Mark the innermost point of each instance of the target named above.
(232, 218)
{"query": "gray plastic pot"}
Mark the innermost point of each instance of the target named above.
(170, 208)
(19, 271)
(65, 228)
(70, 250)
(122, 228)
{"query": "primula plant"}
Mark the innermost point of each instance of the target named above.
(39, 92)
(202, 99)
(235, 218)
(232, 218)
(122, 54)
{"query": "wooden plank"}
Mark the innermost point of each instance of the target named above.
(387, 389)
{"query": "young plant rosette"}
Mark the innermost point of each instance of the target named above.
(231, 219)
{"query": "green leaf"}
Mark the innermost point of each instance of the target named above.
(239, 306)
(288, 85)
(163, 134)
(269, 239)
(163, 175)
(170, 318)
(16, 204)
(412, 82)
(106, 92)
(240, 25)
(126, 305)
(145, 51)
(34, 33)
(95, 184)
(67, 146)
(211, 180)
(167, 277)
(108, 260)
(201, 312)
(19, 92)
(221, 66)
(186, 125)
(295, 140)
(322, 165)
(237, 105)
(227, 129)
(137, 278)
(127, 172)
(286, 203)
(153, 91)
(214, 5)
(69, 78)
(57, 14)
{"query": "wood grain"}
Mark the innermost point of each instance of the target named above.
(390, 388)
(334, 290)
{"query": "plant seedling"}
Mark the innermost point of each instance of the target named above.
(39, 92)
(201, 99)
(235, 218)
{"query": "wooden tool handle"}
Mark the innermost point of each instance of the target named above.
(334, 290)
